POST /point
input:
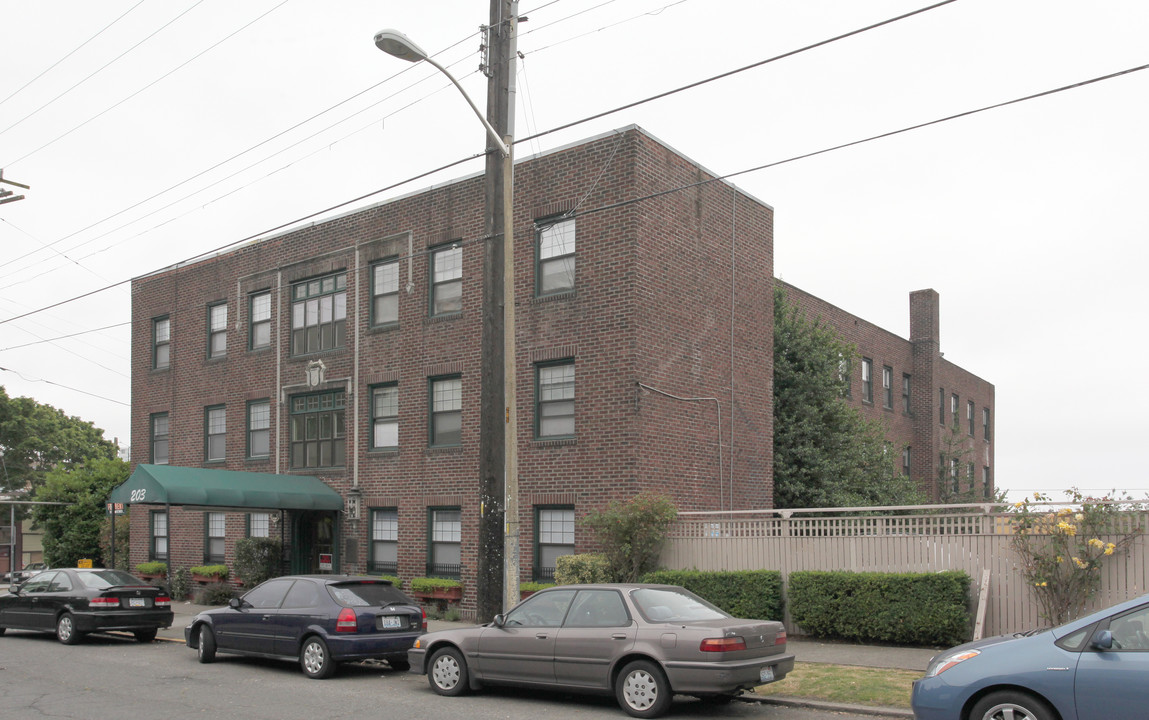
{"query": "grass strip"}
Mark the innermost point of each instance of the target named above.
(880, 687)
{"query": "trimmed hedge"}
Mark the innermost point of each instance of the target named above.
(430, 584)
(755, 594)
(581, 569)
(908, 608)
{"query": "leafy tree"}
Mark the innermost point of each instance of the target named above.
(37, 438)
(631, 534)
(825, 453)
(72, 530)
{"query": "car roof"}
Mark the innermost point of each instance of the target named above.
(331, 579)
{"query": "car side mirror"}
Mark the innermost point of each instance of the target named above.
(1102, 640)
(498, 620)
(235, 603)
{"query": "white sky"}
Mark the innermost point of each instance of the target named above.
(1028, 220)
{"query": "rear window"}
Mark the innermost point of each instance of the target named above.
(674, 605)
(99, 579)
(367, 594)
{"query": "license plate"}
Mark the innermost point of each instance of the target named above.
(137, 602)
(766, 674)
(391, 622)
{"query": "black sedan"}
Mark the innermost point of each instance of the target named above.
(321, 620)
(75, 601)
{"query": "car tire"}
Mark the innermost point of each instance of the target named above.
(145, 636)
(1009, 704)
(400, 664)
(66, 631)
(447, 672)
(642, 690)
(2, 629)
(315, 659)
(205, 650)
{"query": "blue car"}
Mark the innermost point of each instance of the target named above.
(1095, 668)
(319, 620)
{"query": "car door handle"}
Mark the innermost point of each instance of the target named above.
(618, 636)
(266, 618)
(541, 636)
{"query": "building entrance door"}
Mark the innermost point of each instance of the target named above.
(313, 541)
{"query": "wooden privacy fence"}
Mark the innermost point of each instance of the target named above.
(945, 539)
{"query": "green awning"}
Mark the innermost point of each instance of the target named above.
(172, 485)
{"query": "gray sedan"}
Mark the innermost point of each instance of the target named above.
(643, 643)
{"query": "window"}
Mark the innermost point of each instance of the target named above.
(906, 456)
(385, 417)
(941, 406)
(954, 408)
(384, 541)
(445, 552)
(888, 387)
(969, 416)
(215, 431)
(259, 313)
(317, 430)
(385, 293)
(597, 608)
(867, 380)
(259, 429)
(158, 548)
(447, 280)
(217, 330)
(985, 423)
(969, 476)
(214, 530)
(259, 524)
(906, 407)
(160, 439)
(318, 314)
(954, 475)
(446, 411)
(986, 486)
(556, 257)
(554, 537)
(555, 400)
(161, 343)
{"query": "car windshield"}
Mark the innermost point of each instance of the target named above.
(367, 594)
(99, 579)
(674, 605)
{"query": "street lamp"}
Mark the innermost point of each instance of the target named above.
(499, 282)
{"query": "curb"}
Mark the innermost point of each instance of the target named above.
(827, 706)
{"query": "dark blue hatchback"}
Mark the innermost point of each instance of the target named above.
(320, 620)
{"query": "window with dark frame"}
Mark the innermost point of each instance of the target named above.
(385, 293)
(907, 408)
(259, 314)
(215, 433)
(985, 423)
(554, 537)
(319, 314)
(384, 541)
(969, 416)
(444, 552)
(887, 387)
(385, 417)
(318, 434)
(447, 280)
(160, 439)
(555, 269)
(555, 399)
(867, 380)
(954, 480)
(259, 524)
(906, 456)
(986, 486)
(161, 343)
(215, 531)
(970, 477)
(446, 411)
(954, 404)
(217, 330)
(941, 406)
(259, 429)
(158, 547)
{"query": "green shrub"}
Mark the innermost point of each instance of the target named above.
(581, 569)
(426, 584)
(393, 579)
(631, 533)
(909, 608)
(214, 594)
(257, 559)
(180, 584)
(742, 593)
(534, 586)
(152, 568)
(218, 572)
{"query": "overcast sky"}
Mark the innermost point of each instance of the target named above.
(185, 126)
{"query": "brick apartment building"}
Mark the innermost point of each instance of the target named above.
(349, 351)
(938, 415)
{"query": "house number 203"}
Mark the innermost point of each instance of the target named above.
(138, 495)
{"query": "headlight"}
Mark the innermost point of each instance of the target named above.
(945, 662)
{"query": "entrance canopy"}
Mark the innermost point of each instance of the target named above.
(172, 485)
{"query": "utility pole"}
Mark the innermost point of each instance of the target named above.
(6, 196)
(498, 571)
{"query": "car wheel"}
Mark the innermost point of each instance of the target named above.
(2, 629)
(66, 630)
(1010, 705)
(447, 672)
(205, 650)
(642, 690)
(315, 659)
(145, 636)
(399, 664)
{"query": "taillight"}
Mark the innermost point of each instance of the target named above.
(726, 644)
(424, 619)
(162, 601)
(104, 602)
(347, 621)
(780, 638)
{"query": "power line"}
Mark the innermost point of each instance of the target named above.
(66, 387)
(65, 337)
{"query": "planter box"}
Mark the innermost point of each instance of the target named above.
(448, 593)
(148, 577)
(208, 578)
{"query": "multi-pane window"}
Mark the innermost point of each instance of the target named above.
(985, 423)
(954, 475)
(445, 552)
(385, 540)
(969, 476)
(260, 319)
(259, 428)
(954, 409)
(215, 431)
(555, 405)
(906, 406)
(160, 434)
(258, 524)
(214, 530)
(317, 430)
(867, 380)
(447, 280)
(969, 416)
(158, 547)
(318, 314)
(385, 293)
(888, 387)
(986, 486)
(447, 411)
(217, 330)
(556, 257)
(385, 417)
(555, 536)
(942, 406)
(161, 343)
(906, 456)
